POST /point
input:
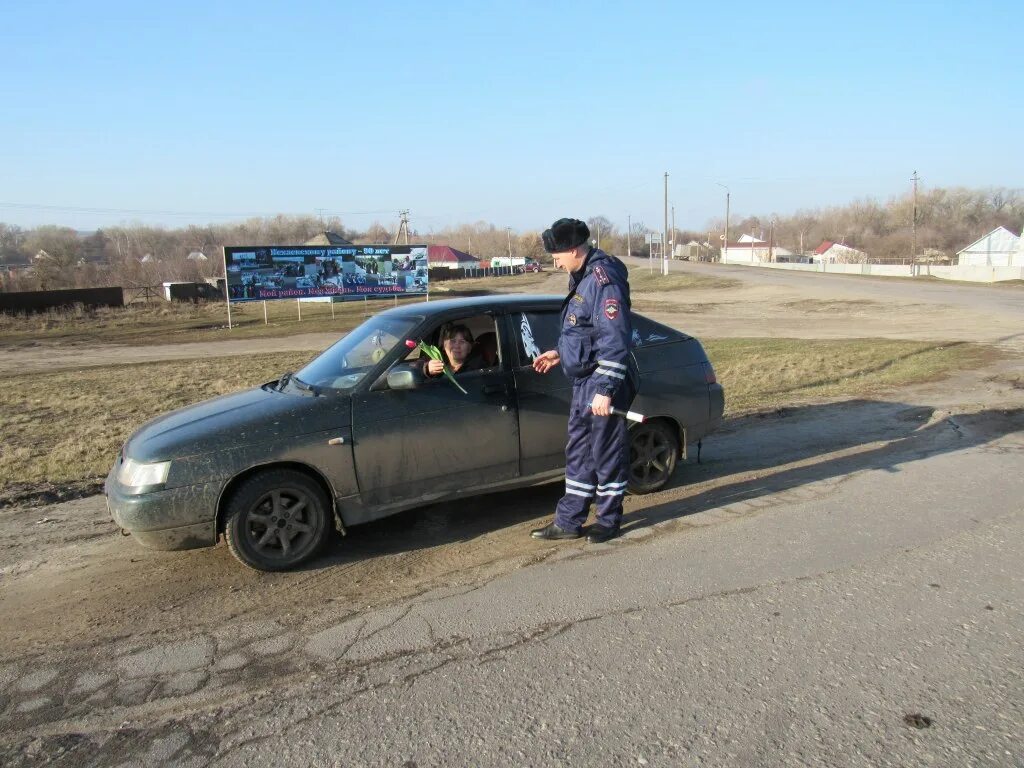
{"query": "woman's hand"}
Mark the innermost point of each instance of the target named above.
(545, 362)
(435, 367)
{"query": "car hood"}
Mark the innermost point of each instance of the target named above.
(254, 416)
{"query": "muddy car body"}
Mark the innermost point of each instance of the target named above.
(361, 433)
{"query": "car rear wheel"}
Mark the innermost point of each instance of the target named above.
(653, 450)
(277, 520)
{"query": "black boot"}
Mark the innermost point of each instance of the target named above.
(554, 532)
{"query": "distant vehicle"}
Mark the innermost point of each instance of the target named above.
(499, 262)
(360, 433)
(533, 266)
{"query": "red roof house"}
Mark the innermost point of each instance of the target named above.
(446, 256)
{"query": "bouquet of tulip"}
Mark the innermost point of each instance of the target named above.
(434, 354)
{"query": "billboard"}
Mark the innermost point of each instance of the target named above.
(263, 273)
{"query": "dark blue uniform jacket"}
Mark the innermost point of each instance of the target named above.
(596, 329)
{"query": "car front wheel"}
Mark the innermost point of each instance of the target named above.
(276, 520)
(653, 450)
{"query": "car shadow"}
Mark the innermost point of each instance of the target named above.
(903, 443)
(804, 436)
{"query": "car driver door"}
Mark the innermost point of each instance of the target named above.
(423, 443)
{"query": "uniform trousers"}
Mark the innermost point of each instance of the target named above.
(596, 461)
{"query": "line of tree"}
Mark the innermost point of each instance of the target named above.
(947, 221)
(138, 255)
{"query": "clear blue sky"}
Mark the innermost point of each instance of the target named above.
(513, 113)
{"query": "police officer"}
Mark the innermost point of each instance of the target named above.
(594, 352)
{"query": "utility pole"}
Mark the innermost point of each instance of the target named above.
(913, 248)
(629, 228)
(725, 237)
(672, 253)
(508, 231)
(403, 226)
(664, 259)
(320, 213)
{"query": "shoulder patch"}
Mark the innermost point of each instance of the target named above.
(611, 308)
(602, 276)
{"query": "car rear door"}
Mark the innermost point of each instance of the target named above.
(543, 398)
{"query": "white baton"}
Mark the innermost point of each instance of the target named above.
(628, 415)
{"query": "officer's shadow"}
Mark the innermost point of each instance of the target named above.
(783, 450)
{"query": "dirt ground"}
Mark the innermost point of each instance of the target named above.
(85, 609)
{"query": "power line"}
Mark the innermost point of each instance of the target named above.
(157, 212)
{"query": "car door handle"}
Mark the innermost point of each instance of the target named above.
(494, 389)
(336, 441)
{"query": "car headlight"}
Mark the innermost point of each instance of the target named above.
(134, 474)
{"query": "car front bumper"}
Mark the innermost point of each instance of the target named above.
(177, 518)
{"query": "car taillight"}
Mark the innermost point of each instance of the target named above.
(709, 374)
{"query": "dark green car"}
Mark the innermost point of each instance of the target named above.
(360, 433)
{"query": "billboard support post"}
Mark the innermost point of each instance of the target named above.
(332, 309)
(266, 320)
(298, 305)
(227, 291)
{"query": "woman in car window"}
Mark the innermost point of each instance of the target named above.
(457, 346)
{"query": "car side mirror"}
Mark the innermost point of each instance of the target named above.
(400, 379)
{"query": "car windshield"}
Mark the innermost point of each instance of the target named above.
(344, 365)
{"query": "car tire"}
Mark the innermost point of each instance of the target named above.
(653, 451)
(277, 519)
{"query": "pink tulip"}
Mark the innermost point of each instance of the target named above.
(410, 344)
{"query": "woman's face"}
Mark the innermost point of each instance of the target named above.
(457, 348)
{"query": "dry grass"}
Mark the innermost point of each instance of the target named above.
(767, 373)
(528, 282)
(168, 323)
(65, 428)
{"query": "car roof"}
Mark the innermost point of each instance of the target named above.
(506, 302)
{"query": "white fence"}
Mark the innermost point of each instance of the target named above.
(967, 273)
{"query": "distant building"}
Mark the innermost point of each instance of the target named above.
(837, 253)
(750, 250)
(999, 248)
(691, 251)
(197, 256)
(446, 256)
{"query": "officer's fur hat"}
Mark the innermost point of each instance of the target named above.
(564, 235)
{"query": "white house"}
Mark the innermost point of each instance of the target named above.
(837, 253)
(749, 250)
(446, 256)
(999, 248)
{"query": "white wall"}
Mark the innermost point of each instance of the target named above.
(992, 259)
(967, 273)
